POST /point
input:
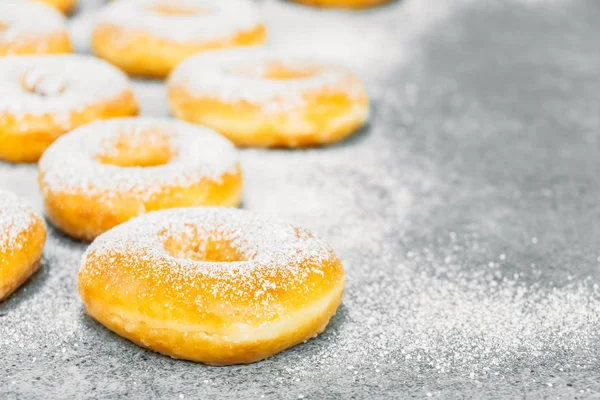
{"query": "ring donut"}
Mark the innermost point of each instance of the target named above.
(64, 6)
(213, 285)
(22, 238)
(349, 4)
(263, 97)
(104, 173)
(43, 97)
(31, 28)
(150, 37)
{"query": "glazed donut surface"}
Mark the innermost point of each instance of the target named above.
(22, 238)
(150, 37)
(104, 173)
(267, 97)
(43, 97)
(213, 285)
(31, 28)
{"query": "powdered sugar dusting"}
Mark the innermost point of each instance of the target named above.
(71, 163)
(235, 75)
(16, 217)
(259, 241)
(25, 20)
(69, 82)
(216, 20)
(458, 285)
(270, 254)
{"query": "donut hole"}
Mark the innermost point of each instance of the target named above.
(44, 85)
(277, 70)
(174, 9)
(137, 148)
(191, 245)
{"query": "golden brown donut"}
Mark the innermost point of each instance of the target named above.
(104, 173)
(264, 97)
(64, 6)
(213, 285)
(22, 238)
(150, 37)
(43, 97)
(30, 28)
(350, 4)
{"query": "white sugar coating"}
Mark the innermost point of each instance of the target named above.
(236, 75)
(216, 19)
(16, 217)
(70, 164)
(26, 20)
(62, 84)
(261, 243)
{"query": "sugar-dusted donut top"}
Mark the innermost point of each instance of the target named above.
(241, 74)
(25, 20)
(16, 217)
(74, 162)
(38, 85)
(201, 20)
(257, 240)
(277, 266)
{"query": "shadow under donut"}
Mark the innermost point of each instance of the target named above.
(27, 290)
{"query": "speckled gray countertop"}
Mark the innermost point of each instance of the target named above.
(467, 216)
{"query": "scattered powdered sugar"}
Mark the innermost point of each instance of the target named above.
(193, 153)
(418, 315)
(215, 20)
(476, 330)
(16, 217)
(361, 41)
(26, 20)
(236, 75)
(56, 85)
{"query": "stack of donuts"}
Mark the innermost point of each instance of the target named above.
(172, 265)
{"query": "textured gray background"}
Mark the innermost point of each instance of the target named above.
(466, 216)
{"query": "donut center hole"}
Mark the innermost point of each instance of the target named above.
(43, 85)
(277, 71)
(137, 148)
(190, 245)
(175, 10)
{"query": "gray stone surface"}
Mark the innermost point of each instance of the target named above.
(466, 216)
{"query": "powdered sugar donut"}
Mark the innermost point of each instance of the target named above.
(268, 97)
(104, 173)
(214, 285)
(42, 97)
(64, 6)
(344, 3)
(150, 37)
(22, 238)
(30, 28)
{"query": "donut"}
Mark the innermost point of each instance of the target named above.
(104, 173)
(64, 6)
(150, 37)
(349, 4)
(264, 97)
(212, 285)
(43, 97)
(31, 28)
(22, 238)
